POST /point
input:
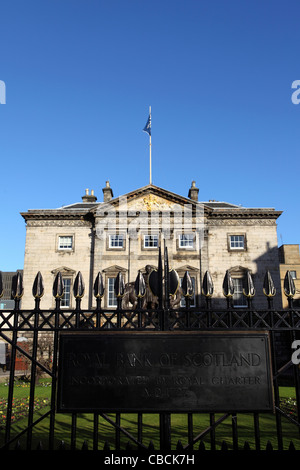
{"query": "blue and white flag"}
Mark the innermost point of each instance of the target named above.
(147, 127)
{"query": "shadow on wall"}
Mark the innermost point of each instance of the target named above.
(267, 263)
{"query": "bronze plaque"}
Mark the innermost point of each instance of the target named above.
(148, 372)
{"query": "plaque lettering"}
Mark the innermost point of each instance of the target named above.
(164, 371)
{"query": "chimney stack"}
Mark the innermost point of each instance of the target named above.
(193, 192)
(107, 192)
(89, 197)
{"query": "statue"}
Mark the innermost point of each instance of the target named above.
(150, 300)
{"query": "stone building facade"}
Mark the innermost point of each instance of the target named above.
(289, 259)
(6, 300)
(122, 234)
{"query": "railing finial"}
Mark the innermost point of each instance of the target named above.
(79, 287)
(58, 286)
(38, 286)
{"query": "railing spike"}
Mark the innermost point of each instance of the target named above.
(289, 285)
(224, 446)
(85, 446)
(39, 446)
(207, 285)
(151, 447)
(179, 446)
(17, 286)
(38, 286)
(174, 282)
(62, 445)
(268, 286)
(18, 445)
(292, 446)
(58, 286)
(140, 285)
(228, 286)
(79, 287)
(247, 446)
(119, 285)
(99, 286)
(269, 446)
(159, 279)
(249, 290)
(129, 447)
(187, 285)
(202, 446)
(106, 447)
(166, 278)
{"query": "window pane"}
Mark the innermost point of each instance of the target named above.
(66, 299)
(150, 241)
(237, 241)
(186, 240)
(239, 300)
(112, 299)
(116, 241)
(65, 243)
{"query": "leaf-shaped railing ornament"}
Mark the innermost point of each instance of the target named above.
(17, 286)
(79, 287)
(58, 286)
(268, 285)
(38, 286)
(140, 285)
(228, 286)
(1, 285)
(155, 279)
(187, 285)
(119, 286)
(174, 282)
(160, 279)
(289, 285)
(207, 285)
(153, 282)
(249, 290)
(99, 286)
(166, 279)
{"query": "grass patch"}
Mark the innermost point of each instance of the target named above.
(107, 433)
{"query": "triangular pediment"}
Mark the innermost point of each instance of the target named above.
(239, 270)
(187, 267)
(115, 268)
(64, 270)
(149, 198)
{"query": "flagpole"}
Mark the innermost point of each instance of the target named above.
(150, 156)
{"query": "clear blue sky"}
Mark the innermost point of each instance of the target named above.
(80, 76)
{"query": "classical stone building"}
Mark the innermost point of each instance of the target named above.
(122, 234)
(6, 301)
(289, 258)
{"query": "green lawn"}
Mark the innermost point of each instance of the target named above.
(179, 424)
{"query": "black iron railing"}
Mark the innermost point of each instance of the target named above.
(40, 325)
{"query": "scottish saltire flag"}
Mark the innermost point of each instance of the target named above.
(147, 127)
